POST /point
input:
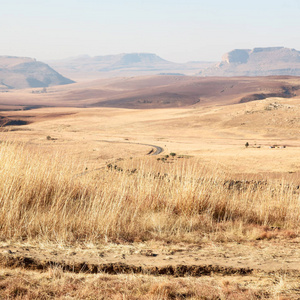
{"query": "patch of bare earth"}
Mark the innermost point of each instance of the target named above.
(263, 269)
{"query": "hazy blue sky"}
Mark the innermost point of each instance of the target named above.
(177, 30)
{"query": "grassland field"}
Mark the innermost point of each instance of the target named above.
(88, 213)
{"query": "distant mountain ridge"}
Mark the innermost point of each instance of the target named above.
(257, 62)
(24, 72)
(138, 60)
(125, 64)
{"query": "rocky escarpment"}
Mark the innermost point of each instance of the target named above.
(23, 72)
(257, 62)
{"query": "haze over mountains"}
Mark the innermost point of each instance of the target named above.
(24, 72)
(257, 62)
(126, 64)
(239, 62)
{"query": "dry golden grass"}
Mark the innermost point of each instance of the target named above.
(61, 191)
(216, 135)
(44, 199)
(55, 284)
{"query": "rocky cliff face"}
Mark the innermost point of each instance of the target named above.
(257, 62)
(236, 56)
(24, 72)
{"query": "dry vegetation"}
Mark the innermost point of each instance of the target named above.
(43, 199)
(80, 180)
(55, 284)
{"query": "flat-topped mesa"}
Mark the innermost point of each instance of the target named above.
(267, 49)
(138, 60)
(124, 65)
(132, 58)
(26, 72)
(275, 55)
(257, 62)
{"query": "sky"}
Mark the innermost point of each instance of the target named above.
(176, 30)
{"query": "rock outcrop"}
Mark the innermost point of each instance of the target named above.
(257, 62)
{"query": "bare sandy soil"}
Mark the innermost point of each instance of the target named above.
(213, 131)
(275, 255)
(265, 269)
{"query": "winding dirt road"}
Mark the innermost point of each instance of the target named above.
(158, 150)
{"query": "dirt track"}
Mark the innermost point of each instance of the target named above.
(157, 151)
(120, 268)
(263, 257)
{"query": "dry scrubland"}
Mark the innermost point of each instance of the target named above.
(80, 181)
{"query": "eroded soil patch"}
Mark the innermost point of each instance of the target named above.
(8, 261)
(264, 257)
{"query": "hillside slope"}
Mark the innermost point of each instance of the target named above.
(148, 92)
(24, 72)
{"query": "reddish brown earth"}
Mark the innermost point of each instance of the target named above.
(155, 92)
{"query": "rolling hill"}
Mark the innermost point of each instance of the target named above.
(148, 92)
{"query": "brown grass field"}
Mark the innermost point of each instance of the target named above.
(88, 212)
